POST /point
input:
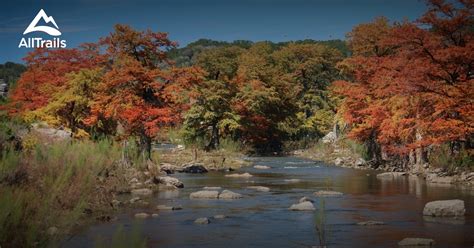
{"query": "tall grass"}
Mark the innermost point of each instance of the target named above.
(50, 186)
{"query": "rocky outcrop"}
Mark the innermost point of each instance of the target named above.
(327, 193)
(446, 208)
(229, 195)
(204, 194)
(202, 221)
(236, 175)
(167, 168)
(48, 133)
(303, 206)
(169, 181)
(329, 138)
(416, 242)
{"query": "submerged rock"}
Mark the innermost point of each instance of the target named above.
(327, 193)
(416, 242)
(446, 208)
(371, 223)
(204, 194)
(141, 215)
(202, 221)
(243, 175)
(303, 206)
(259, 188)
(227, 194)
(142, 192)
(169, 181)
(261, 167)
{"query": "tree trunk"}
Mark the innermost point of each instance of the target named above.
(214, 141)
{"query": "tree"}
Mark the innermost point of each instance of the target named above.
(364, 38)
(46, 74)
(134, 91)
(420, 92)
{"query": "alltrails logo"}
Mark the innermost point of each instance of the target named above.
(38, 42)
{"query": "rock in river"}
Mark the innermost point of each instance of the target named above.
(327, 193)
(259, 188)
(165, 207)
(204, 194)
(305, 199)
(446, 208)
(261, 167)
(202, 221)
(227, 194)
(141, 215)
(243, 175)
(219, 216)
(194, 168)
(416, 242)
(303, 206)
(212, 188)
(169, 181)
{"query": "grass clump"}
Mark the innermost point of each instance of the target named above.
(45, 191)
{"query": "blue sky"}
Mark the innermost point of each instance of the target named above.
(188, 20)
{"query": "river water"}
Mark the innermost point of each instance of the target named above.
(262, 219)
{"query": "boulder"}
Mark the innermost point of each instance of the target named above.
(134, 199)
(116, 203)
(338, 161)
(329, 138)
(371, 223)
(261, 167)
(292, 180)
(227, 195)
(194, 168)
(155, 215)
(305, 199)
(141, 215)
(446, 208)
(327, 193)
(303, 206)
(202, 221)
(416, 242)
(237, 175)
(142, 192)
(205, 194)
(259, 188)
(169, 181)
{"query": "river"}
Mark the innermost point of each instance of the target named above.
(262, 219)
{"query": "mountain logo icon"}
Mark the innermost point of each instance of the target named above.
(47, 29)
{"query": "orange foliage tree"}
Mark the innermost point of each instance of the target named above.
(419, 91)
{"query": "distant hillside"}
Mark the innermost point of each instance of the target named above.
(185, 56)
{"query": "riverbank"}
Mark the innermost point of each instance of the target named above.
(350, 155)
